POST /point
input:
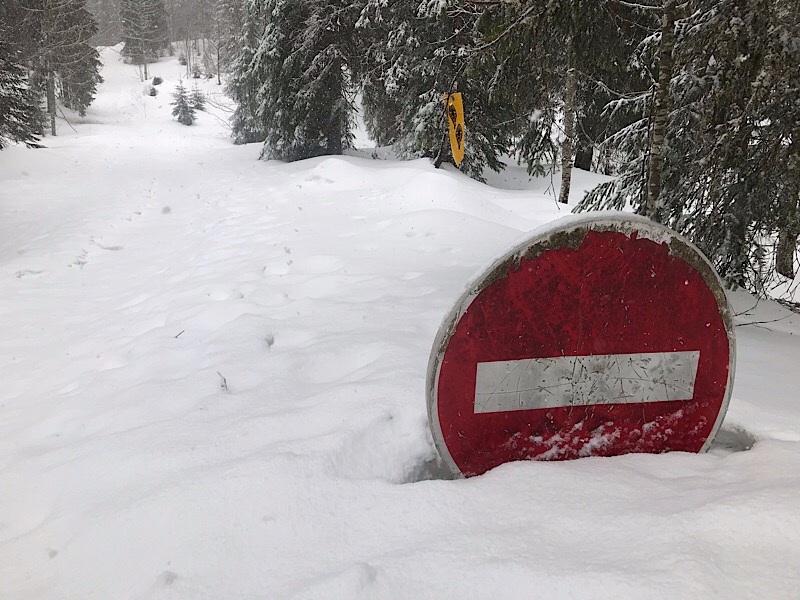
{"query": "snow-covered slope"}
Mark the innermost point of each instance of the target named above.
(213, 387)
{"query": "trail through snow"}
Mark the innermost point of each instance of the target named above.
(213, 387)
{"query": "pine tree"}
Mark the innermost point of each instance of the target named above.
(307, 96)
(78, 63)
(182, 107)
(52, 39)
(558, 83)
(416, 52)
(742, 174)
(381, 33)
(247, 75)
(292, 79)
(197, 99)
(230, 18)
(729, 172)
(145, 31)
(415, 55)
(106, 14)
(20, 117)
(624, 151)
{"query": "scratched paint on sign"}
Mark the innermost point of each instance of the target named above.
(581, 380)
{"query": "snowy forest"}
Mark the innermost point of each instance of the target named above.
(269, 332)
(693, 107)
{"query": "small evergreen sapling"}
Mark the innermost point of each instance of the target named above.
(197, 99)
(182, 108)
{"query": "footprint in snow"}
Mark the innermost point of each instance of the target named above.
(166, 579)
(103, 246)
(110, 248)
(80, 260)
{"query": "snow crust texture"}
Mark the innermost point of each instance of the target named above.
(213, 374)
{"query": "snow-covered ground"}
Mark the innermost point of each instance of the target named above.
(213, 387)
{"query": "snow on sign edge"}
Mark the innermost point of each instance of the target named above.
(622, 222)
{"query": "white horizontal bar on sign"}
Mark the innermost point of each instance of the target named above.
(583, 380)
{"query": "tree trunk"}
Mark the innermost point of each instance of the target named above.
(336, 125)
(660, 107)
(47, 25)
(584, 155)
(51, 99)
(785, 251)
(568, 144)
(570, 94)
(333, 143)
(788, 234)
(219, 64)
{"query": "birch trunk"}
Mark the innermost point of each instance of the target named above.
(660, 107)
(568, 145)
(48, 64)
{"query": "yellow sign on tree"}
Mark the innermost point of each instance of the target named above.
(455, 119)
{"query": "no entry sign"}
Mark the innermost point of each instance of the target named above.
(601, 336)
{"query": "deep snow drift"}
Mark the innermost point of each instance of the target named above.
(213, 387)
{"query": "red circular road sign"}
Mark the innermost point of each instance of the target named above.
(602, 336)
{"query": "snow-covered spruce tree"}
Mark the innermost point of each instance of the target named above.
(416, 53)
(20, 116)
(625, 151)
(145, 31)
(106, 14)
(247, 75)
(193, 19)
(78, 63)
(20, 28)
(742, 186)
(182, 106)
(546, 56)
(52, 39)
(381, 33)
(380, 112)
(607, 75)
(197, 99)
(729, 166)
(230, 18)
(511, 62)
(305, 98)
